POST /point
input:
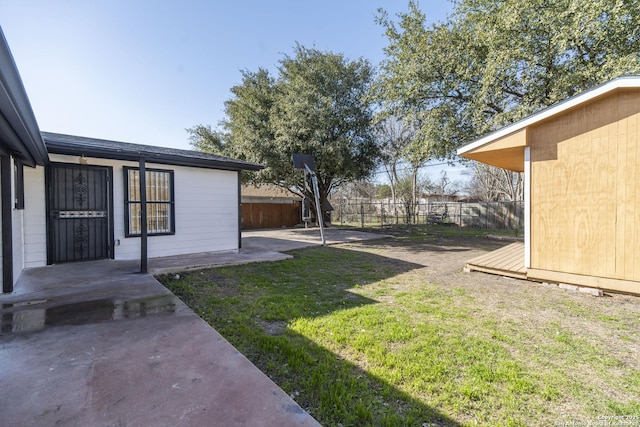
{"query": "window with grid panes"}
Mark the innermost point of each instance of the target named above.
(160, 203)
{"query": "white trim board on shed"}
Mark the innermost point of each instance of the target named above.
(566, 105)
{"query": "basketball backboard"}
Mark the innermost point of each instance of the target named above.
(302, 160)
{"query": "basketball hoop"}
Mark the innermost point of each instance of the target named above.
(305, 163)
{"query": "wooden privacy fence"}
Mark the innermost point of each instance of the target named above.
(492, 215)
(270, 215)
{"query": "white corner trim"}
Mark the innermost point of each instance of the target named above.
(527, 207)
(619, 83)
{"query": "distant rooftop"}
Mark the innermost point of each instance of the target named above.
(101, 148)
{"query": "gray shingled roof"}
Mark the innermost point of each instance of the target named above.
(101, 148)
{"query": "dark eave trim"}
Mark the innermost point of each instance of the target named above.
(55, 147)
(19, 132)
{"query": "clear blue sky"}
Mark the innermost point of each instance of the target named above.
(143, 71)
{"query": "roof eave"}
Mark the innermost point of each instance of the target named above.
(73, 150)
(18, 125)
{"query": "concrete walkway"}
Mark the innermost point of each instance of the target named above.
(99, 344)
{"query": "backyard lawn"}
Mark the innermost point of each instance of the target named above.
(392, 332)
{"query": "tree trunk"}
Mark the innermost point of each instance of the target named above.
(392, 173)
(393, 202)
(414, 189)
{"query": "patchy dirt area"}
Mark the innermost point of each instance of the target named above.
(443, 257)
(538, 314)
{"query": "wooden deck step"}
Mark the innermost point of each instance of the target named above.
(506, 261)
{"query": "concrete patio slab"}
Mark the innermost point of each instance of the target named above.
(95, 343)
(288, 239)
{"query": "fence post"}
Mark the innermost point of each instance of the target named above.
(486, 214)
(361, 215)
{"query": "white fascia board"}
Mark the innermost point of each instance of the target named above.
(619, 83)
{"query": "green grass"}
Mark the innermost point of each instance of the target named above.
(361, 339)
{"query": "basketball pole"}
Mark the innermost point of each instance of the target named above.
(316, 193)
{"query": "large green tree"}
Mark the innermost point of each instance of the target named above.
(316, 105)
(204, 138)
(495, 61)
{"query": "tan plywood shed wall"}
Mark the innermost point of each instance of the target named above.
(585, 189)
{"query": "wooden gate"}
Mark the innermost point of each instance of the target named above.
(79, 206)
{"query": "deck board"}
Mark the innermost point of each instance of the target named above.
(506, 261)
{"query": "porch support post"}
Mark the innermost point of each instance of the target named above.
(527, 207)
(143, 216)
(239, 210)
(7, 225)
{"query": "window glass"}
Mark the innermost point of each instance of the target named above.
(160, 206)
(18, 181)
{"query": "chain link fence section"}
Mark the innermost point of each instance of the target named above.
(489, 215)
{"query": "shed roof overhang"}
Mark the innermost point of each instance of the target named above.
(506, 152)
(505, 147)
(19, 133)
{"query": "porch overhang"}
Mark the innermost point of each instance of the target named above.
(19, 133)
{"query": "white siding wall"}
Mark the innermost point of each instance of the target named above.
(17, 221)
(206, 207)
(35, 227)
(17, 225)
(1, 255)
(24, 220)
